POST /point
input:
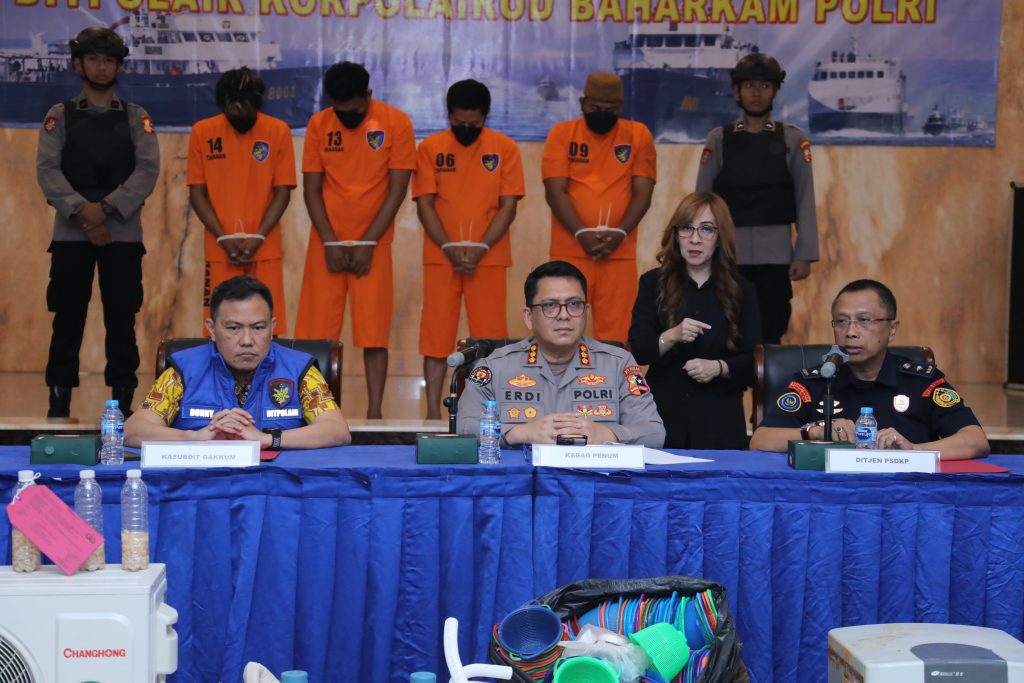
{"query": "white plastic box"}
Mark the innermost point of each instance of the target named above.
(916, 653)
(108, 625)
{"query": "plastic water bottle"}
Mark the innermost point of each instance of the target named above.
(112, 434)
(89, 506)
(134, 523)
(489, 450)
(867, 429)
(25, 556)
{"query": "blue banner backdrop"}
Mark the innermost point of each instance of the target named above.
(891, 72)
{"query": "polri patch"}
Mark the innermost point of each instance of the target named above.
(50, 124)
(490, 162)
(480, 376)
(945, 397)
(260, 150)
(281, 391)
(805, 146)
(375, 139)
(635, 380)
(623, 152)
(705, 156)
(147, 124)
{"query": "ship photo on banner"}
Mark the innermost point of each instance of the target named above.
(863, 72)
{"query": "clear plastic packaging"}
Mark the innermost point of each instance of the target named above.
(112, 434)
(25, 556)
(599, 643)
(134, 523)
(89, 506)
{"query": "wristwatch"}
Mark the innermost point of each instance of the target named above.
(275, 438)
(107, 208)
(805, 431)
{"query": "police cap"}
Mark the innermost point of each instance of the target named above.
(98, 40)
(758, 67)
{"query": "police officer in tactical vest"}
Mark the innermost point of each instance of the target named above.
(762, 169)
(98, 160)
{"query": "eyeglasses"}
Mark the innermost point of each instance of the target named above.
(705, 230)
(860, 323)
(551, 309)
(757, 85)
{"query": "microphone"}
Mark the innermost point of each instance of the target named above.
(481, 349)
(835, 357)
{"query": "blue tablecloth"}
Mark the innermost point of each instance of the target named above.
(799, 552)
(343, 563)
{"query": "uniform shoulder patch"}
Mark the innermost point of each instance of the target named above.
(147, 124)
(50, 123)
(917, 369)
(635, 381)
(944, 397)
(927, 392)
(789, 402)
(706, 155)
(801, 391)
(480, 376)
(805, 147)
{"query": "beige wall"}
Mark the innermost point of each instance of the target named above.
(931, 223)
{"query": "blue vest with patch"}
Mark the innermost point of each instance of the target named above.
(273, 399)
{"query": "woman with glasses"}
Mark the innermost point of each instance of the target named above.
(695, 321)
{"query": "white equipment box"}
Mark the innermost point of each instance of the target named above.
(110, 626)
(919, 653)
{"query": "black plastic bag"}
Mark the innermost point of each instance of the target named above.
(575, 599)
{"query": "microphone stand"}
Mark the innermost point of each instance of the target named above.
(452, 402)
(828, 405)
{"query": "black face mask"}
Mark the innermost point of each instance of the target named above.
(601, 121)
(466, 135)
(243, 123)
(350, 119)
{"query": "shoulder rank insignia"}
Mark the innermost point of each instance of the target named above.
(584, 354)
(944, 397)
(909, 368)
(531, 354)
(811, 373)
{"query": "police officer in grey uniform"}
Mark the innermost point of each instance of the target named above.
(762, 169)
(559, 382)
(98, 160)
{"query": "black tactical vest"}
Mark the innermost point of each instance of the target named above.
(755, 180)
(98, 153)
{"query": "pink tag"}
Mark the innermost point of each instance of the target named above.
(57, 531)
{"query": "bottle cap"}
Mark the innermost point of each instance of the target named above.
(422, 677)
(490, 404)
(87, 474)
(294, 677)
(867, 410)
(135, 474)
(112, 403)
(26, 475)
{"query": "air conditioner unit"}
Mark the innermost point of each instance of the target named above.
(108, 626)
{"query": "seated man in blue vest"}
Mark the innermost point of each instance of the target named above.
(241, 385)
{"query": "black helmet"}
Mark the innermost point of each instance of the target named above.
(98, 40)
(758, 67)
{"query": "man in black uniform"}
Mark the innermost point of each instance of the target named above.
(98, 160)
(762, 169)
(915, 406)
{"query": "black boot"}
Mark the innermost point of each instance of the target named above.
(123, 396)
(60, 402)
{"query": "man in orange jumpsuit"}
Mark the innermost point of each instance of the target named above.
(468, 181)
(241, 171)
(599, 173)
(358, 156)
